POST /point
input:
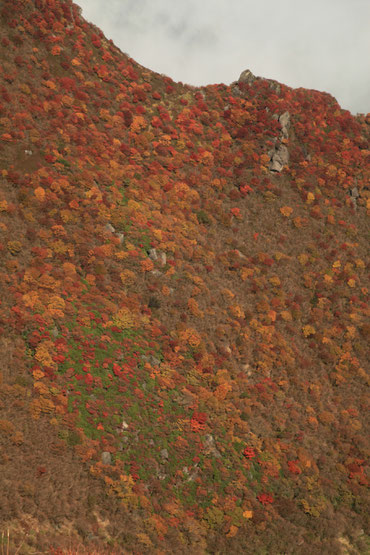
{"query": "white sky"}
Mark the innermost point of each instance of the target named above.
(316, 44)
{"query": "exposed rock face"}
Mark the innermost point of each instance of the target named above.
(158, 256)
(354, 196)
(279, 158)
(275, 86)
(210, 446)
(354, 192)
(106, 458)
(153, 255)
(164, 454)
(247, 76)
(284, 121)
(279, 155)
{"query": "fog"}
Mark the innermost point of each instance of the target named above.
(320, 44)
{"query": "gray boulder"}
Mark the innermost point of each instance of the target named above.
(156, 256)
(106, 457)
(163, 258)
(284, 121)
(110, 228)
(210, 446)
(153, 255)
(279, 158)
(164, 453)
(247, 76)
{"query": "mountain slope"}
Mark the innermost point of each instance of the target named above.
(184, 317)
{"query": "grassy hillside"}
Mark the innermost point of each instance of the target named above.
(183, 331)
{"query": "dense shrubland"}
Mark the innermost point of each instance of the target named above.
(183, 332)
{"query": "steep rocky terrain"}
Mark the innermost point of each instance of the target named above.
(184, 323)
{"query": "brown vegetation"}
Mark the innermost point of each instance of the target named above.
(184, 332)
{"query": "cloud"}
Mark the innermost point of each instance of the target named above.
(321, 44)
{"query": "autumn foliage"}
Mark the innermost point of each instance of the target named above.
(188, 329)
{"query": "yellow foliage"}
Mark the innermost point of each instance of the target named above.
(280, 256)
(17, 438)
(59, 230)
(104, 114)
(313, 421)
(227, 293)
(315, 507)
(128, 277)
(123, 319)
(275, 281)
(14, 247)
(233, 531)
(326, 417)
(94, 191)
(46, 405)
(308, 330)
(138, 124)
(121, 255)
(237, 311)
(222, 390)
(35, 409)
(248, 514)
(158, 234)
(90, 279)
(331, 171)
(40, 194)
(147, 265)
(30, 275)
(38, 374)
(190, 336)
(303, 259)
(69, 269)
(47, 282)
(144, 539)
(194, 308)
(6, 427)
(66, 215)
(197, 280)
(41, 388)
(272, 315)
(31, 299)
(170, 271)
(328, 278)
(298, 222)
(56, 303)
(310, 198)
(43, 355)
(158, 524)
(51, 85)
(286, 211)
(166, 291)
(356, 425)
